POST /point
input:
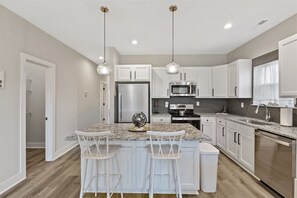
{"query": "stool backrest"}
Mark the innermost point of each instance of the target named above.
(165, 144)
(93, 144)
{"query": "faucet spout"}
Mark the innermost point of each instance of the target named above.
(268, 113)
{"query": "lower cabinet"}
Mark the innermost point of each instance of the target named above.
(221, 133)
(240, 143)
(208, 126)
(161, 118)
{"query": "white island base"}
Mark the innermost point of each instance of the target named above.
(134, 166)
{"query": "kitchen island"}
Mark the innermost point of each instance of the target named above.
(134, 159)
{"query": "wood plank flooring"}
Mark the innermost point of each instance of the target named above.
(61, 178)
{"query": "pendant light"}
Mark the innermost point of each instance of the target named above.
(103, 69)
(173, 67)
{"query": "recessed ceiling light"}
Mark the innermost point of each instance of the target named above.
(228, 26)
(101, 57)
(134, 42)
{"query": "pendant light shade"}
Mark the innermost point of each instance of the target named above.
(173, 67)
(103, 69)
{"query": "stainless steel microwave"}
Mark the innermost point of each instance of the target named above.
(184, 88)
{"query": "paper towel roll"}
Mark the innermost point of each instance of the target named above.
(286, 116)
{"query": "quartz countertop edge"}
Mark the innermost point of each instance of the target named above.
(119, 132)
(275, 128)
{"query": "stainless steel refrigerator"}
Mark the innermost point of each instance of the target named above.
(132, 98)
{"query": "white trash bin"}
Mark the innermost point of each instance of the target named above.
(208, 167)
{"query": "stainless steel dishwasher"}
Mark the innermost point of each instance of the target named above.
(275, 162)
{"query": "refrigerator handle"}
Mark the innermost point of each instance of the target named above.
(120, 112)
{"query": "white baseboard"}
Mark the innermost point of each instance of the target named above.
(35, 145)
(11, 182)
(65, 149)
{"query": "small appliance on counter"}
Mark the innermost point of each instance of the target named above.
(286, 117)
(184, 113)
(139, 120)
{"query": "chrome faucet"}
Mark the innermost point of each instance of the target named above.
(268, 114)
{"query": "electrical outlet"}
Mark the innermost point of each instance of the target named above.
(242, 105)
(197, 103)
(166, 104)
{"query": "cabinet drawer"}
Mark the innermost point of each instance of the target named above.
(232, 125)
(161, 119)
(221, 121)
(207, 119)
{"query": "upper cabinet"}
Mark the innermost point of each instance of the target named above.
(160, 83)
(188, 74)
(240, 79)
(204, 82)
(288, 66)
(220, 81)
(133, 72)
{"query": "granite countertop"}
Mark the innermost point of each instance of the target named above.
(206, 114)
(161, 115)
(120, 132)
(275, 128)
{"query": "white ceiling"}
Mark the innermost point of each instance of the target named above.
(199, 23)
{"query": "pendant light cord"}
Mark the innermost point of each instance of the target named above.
(172, 36)
(104, 61)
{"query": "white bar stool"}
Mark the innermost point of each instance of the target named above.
(165, 146)
(95, 146)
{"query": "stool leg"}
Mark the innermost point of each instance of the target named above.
(152, 177)
(175, 178)
(83, 176)
(178, 179)
(107, 178)
(120, 176)
(96, 177)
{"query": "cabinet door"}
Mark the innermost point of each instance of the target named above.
(123, 73)
(288, 66)
(246, 150)
(204, 85)
(142, 73)
(189, 74)
(231, 145)
(233, 80)
(220, 81)
(160, 83)
(208, 127)
(221, 137)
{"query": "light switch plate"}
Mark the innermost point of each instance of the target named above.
(197, 103)
(166, 104)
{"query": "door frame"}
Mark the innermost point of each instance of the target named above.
(101, 84)
(50, 104)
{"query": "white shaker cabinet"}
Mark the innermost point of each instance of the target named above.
(240, 79)
(208, 126)
(160, 83)
(188, 74)
(221, 133)
(204, 82)
(220, 81)
(133, 72)
(288, 66)
(240, 144)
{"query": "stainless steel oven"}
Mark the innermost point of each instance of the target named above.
(275, 162)
(184, 113)
(182, 88)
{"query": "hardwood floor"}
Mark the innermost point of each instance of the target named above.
(61, 178)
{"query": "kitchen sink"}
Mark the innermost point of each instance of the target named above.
(254, 122)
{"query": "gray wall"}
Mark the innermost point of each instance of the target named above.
(266, 42)
(74, 75)
(183, 60)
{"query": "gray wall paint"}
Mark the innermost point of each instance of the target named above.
(206, 105)
(74, 75)
(266, 42)
(183, 60)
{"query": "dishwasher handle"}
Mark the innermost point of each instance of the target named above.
(267, 136)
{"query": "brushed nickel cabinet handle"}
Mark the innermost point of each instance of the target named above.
(235, 137)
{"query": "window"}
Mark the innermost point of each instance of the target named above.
(266, 86)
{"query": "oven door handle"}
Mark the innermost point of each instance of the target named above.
(185, 119)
